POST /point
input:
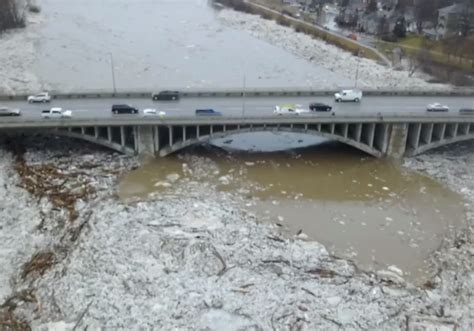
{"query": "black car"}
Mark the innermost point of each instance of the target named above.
(166, 95)
(124, 109)
(317, 106)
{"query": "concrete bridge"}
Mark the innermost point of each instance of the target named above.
(380, 136)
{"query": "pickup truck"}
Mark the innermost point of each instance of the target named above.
(56, 113)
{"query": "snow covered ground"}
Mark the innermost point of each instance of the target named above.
(199, 260)
(371, 74)
(18, 56)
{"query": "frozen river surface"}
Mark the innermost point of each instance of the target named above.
(158, 44)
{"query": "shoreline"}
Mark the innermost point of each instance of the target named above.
(179, 261)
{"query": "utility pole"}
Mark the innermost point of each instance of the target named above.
(113, 71)
(243, 95)
(357, 70)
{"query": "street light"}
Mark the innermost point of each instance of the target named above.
(113, 71)
(243, 94)
(359, 52)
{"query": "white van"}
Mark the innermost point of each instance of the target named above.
(348, 95)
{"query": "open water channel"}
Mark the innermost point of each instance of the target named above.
(373, 211)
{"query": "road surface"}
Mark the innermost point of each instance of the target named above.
(255, 106)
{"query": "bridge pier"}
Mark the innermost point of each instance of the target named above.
(397, 141)
(144, 141)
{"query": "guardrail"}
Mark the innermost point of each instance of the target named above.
(251, 93)
(124, 120)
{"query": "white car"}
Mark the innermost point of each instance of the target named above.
(56, 113)
(40, 97)
(348, 95)
(153, 112)
(289, 110)
(437, 107)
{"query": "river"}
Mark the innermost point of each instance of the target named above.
(373, 211)
(158, 44)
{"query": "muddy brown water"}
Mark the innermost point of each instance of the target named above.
(373, 211)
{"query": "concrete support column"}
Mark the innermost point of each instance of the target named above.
(438, 132)
(426, 132)
(184, 133)
(451, 130)
(358, 132)
(381, 138)
(109, 133)
(224, 128)
(414, 135)
(156, 136)
(96, 132)
(83, 130)
(144, 140)
(345, 130)
(463, 129)
(171, 135)
(211, 130)
(122, 136)
(333, 128)
(197, 132)
(319, 127)
(306, 128)
(397, 141)
(368, 134)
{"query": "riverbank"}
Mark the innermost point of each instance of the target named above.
(181, 261)
(18, 58)
(370, 74)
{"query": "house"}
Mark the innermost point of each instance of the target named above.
(448, 18)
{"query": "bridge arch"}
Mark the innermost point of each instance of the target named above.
(94, 137)
(427, 136)
(356, 137)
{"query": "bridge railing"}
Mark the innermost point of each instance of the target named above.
(233, 93)
(126, 120)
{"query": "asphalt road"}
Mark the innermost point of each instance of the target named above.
(255, 106)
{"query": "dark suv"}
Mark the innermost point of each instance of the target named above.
(317, 106)
(166, 95)
(124, 109)
(207, 112)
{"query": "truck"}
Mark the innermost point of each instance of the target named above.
(56, 113)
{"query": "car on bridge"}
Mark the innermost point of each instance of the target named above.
(40, 97)
(4, 111)
(153, 112)
(56, 113)
(468, 111)
(166, 96)
(207, 112)
(124, 109)
(289, 110)
(348, 95)
(437, 107)
(318, 106)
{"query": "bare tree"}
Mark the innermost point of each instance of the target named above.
(421, 60)
(11, 15)
(425, 11)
